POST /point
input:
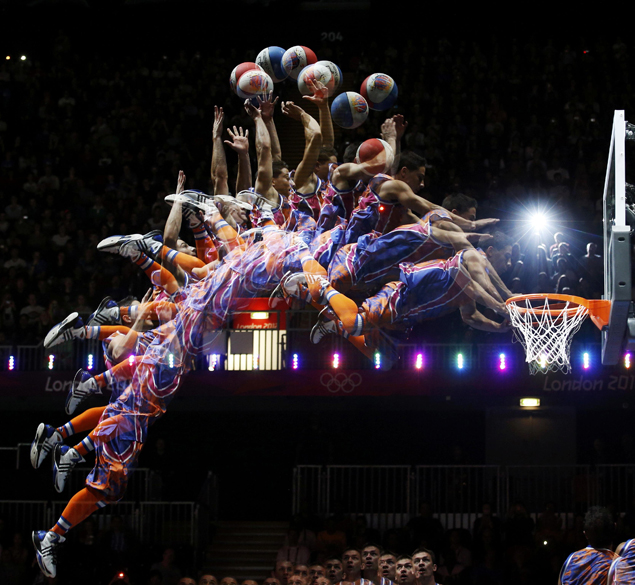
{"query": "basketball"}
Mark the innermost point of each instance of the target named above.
(315, 72)
(297, 58)
(270, 59)
(239, 70)
(377, 154)
(349, 110)
(254, 83)
(336, 72)
(380, 91)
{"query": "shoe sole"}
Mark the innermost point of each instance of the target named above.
(55, 332)
(36, 445)
(56, 471)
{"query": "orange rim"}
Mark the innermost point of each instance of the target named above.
(599, 310)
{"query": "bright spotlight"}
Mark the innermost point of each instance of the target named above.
(539, 221)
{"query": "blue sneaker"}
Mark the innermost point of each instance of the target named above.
(70, 328)
(104, 313)
(46, 544)
(46, 437)
(83, 387)
(65, 459)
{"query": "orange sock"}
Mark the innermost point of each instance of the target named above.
(313, 270)
(102, 332)
(225, 233)
(80, 507)
(87, 445)
(205, 249)
(87, 420)
(359, 342)
(158, 275)
(185, 261)
(346, 310)
(163, 310)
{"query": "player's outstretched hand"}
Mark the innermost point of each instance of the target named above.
(239, 140)
(400, 125)
(267, 106)
(481, 224)
(388, 129)
(475, 236)
(218, 123)
(180, 182)
(291, 110)
(320, 92)
(252, 111)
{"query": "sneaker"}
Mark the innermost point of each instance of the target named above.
(65, 459)
(327, 324)
(150, 243)
(193, 202)
(107, 313)
(46, 544)
(114, 243)
(70, 328)
(83, 387)
(292, 284)
(46, 437)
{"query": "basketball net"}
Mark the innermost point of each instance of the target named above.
(546, 331)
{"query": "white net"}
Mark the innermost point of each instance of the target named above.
(546, 331)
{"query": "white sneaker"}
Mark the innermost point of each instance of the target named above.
(46, 437)
(70, 328)
(46, 544)
(65, 460)
(83, 387)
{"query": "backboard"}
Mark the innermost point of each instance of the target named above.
(617, 246)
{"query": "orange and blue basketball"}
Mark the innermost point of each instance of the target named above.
(270, 59)
(380, 91)
(336, 72)
(349, 110)
(297, 58)
(376, 154)
(254, 83)
(239, 70)
(315, 72)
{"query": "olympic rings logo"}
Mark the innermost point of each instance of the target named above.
(344, 382)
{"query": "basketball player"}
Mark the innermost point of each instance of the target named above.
(591, 564)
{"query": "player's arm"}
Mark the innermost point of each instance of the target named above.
(399, 191)
(479, 294)
(267, 108)
(389, 134)
(264, 175)
(400, 128)
(240, 144)
(472, 317)
(497, 281)
(320, 97)
(219, 162)
(304, 176)
(346, 175)
(173, 224)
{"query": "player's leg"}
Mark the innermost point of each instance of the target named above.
(46, 543)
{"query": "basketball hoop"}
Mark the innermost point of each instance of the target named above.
(546, 323)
